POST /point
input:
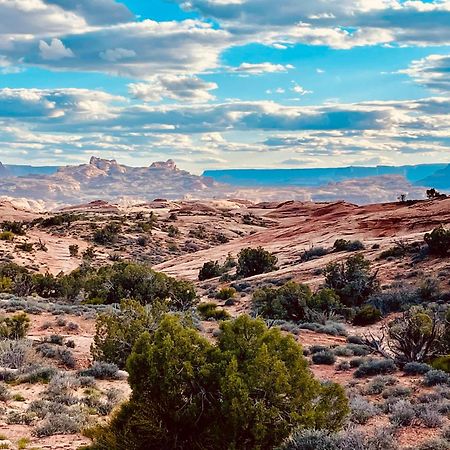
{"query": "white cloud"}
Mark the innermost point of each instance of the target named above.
(432, 72)
(96, 12)
(37, 18)
(343, 24)
(81, 122)
(260, 68)
(175, 87)
(54, 51)
(137, 49)
(299, 89)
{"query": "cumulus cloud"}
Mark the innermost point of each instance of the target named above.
(36, 18)
(432, 72)
(174, 87)
(80, 122)
(135, 49)
(54, 51)
(45, 104)
(96, 12)
(343, 24)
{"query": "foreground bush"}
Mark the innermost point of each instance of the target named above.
(116, 331)
(249, 391)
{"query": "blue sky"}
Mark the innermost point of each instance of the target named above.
(214, 84)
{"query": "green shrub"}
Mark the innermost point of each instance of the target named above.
(173, 231)
(226, 293)
(108, 234)
(255, 261)
(6, 236)
(288, 302)
(14, 327)
(293, 301)
(442, 363)
(6, 284)
(375, 367)
(342, 245)
(25, 247)
(116, 331)
(352, 281)
(210, 269)
(438, 241)
(436, 377)
(367, 315)
(17, 228)
(325, 357)
(141, 283)
(248, 391)
(210, 310)
(397, 251)
(59, 219)
(415, 337)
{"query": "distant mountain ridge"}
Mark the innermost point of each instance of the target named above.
(108, 180)
(320, 176)
(439, 180)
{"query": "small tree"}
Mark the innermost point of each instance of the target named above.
(433, 193)
(108, 234)
(416, 336)
(352, 281)
(438, 241)
(249, 391)
(211, 269)
(289, 302)
(255, 261)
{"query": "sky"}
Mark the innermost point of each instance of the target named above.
(225, 83)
